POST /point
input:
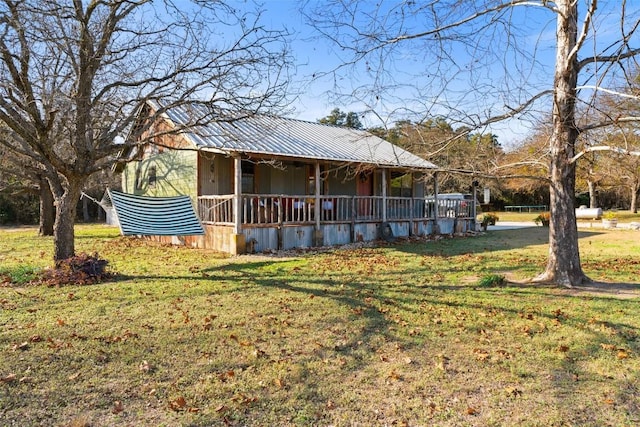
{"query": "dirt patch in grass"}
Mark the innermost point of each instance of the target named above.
(613, 290)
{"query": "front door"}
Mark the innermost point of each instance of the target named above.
(365, 188)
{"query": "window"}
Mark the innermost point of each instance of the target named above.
(152, 176)
(248, 177)
(401, 185)
(138, 182)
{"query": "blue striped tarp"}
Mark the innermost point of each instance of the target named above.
(155, 216)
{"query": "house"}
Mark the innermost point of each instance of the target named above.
(262, 182)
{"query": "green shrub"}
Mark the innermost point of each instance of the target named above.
(492, 280)
(489, 219)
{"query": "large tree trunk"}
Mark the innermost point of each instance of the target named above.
(47, 209)
(564, 266)
(634, 197)
(63, 229)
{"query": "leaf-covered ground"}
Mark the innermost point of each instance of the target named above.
(396, 335)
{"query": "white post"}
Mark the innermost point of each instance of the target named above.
(474, 211)
(435, 195)
(318, 207)
(237, 195)
(384, 195)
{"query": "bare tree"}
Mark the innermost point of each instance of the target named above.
(454, 47)
(623, 164)
(19, 174)
(459, 153)
(75, 74)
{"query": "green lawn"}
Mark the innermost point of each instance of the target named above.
(396, 335)
(623, 217)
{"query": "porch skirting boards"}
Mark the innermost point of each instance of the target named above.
(263, 239)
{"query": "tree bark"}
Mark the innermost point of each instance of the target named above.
(593, 200)
(563, 266)
(634, 197)
(47, 209)
(63, 229)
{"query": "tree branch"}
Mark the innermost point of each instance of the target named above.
(604, 148)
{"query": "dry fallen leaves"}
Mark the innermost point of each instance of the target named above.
(22, 346)
(481, 354)
(224, 376)
(513, 391)
(622, 354)
(8, 378)
(117, 407)
(145, 366)
(257, 353)
(395, 376)
(178, 404)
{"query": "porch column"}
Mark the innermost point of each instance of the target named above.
(474, 208)
(384, 195)
(436, 226)
(238, 244)
(318, 235)
(435, 195)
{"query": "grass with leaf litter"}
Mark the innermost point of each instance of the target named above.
(420, 333)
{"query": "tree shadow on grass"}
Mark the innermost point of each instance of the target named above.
(376, 326)
(595, 288)
(381, 325)
(491, 242)
(506, 240)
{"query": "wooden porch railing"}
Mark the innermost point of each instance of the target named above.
(270, 209)
(216, 209)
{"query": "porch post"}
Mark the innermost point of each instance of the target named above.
(384, 195)
(436, 226)
(238, 244)
(474, 208)
(318, 236)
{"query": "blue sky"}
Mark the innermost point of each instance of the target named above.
(536, 31)
(311, 57)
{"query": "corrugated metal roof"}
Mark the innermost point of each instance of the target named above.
(278, 136)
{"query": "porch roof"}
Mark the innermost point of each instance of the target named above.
(268, 135)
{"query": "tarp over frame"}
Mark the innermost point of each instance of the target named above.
(155, 216)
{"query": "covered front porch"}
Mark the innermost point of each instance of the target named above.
(262, 221)
(276, 221)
